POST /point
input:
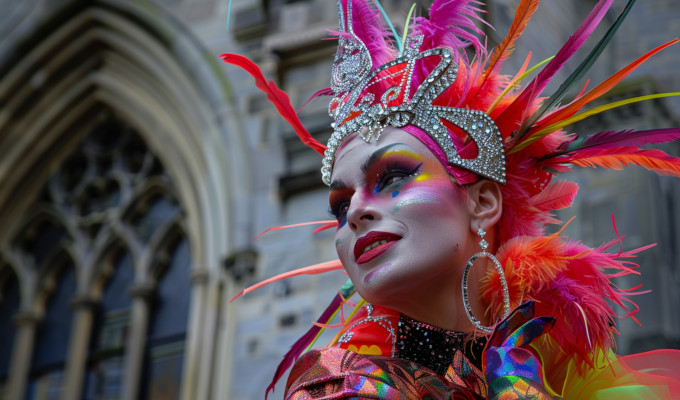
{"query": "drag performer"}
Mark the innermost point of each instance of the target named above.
(442, 181)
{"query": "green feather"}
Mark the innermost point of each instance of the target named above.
(397, 39)
(579, 72)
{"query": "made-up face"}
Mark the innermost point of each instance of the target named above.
(404, 230)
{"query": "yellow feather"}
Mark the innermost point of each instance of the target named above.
(578, 117)
(515, 82)
(349, 317)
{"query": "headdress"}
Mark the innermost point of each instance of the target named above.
(442, 82)
(367, 100)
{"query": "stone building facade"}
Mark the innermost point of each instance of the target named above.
(136, 168)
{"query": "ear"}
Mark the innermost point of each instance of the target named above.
(485, 203)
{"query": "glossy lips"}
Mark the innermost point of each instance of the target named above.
(376, 243)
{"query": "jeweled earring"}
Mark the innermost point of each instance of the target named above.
(499, 268)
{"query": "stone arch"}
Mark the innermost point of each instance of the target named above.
(93, 59)
(118, 58)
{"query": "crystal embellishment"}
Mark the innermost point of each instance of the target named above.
(355, 107)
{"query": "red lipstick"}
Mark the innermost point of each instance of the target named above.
(370, 239)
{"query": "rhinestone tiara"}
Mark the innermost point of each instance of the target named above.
(355, 108)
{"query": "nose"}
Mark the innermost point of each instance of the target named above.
(361, 211)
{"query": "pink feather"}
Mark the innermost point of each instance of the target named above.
(555, 196)
(318, 93)
(452, 25)
(369, 27)
(567, 280)
(612, 139)
(535, 88)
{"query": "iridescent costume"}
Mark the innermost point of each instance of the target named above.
(440, 85)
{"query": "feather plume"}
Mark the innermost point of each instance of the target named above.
(580, 70)
(523, 13)
(601, 89)
(324, 223)
(318, 93)
(566, 280)
(331, 224)
(311, 270)
(277, 97)
(620, 157)
(452, 25)
(612, 139)
(544, 132)
(534, 89)
(311, 335)
(369, 27)
(555, 196)
(517, 79)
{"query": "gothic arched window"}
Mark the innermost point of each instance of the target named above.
(105, 237)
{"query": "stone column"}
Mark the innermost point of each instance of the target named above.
(81, 330)
(192, 351)
(141, 294)
(22, 353)
(208, 334)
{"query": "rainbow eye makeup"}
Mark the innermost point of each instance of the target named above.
(339, 205)
(387, 170)
(394, 175)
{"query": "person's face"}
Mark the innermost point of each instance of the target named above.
(403, 224)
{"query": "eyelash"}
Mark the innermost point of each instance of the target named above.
(390, 170)
(335, 209)
(393, 170)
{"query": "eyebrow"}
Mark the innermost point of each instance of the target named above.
(376, 156)
(337, 185)
(340, 185)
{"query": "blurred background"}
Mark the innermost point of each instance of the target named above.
(136, 168)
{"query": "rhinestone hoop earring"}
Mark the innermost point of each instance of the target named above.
(506, 295)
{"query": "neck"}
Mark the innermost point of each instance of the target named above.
(441, 304)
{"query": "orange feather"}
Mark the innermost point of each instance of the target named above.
(326, 224)
(653, 160)
(601, 89)
(311, 270)
(523, 13)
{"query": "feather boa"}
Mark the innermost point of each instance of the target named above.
(569, 281)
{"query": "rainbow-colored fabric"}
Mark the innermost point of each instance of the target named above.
(520, 361)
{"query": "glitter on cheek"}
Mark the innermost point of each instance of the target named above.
(414, 201)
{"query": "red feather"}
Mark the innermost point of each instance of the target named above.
(311, 270)
(555, 196)
(277, 97)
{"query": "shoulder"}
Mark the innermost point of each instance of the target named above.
(335, 373)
